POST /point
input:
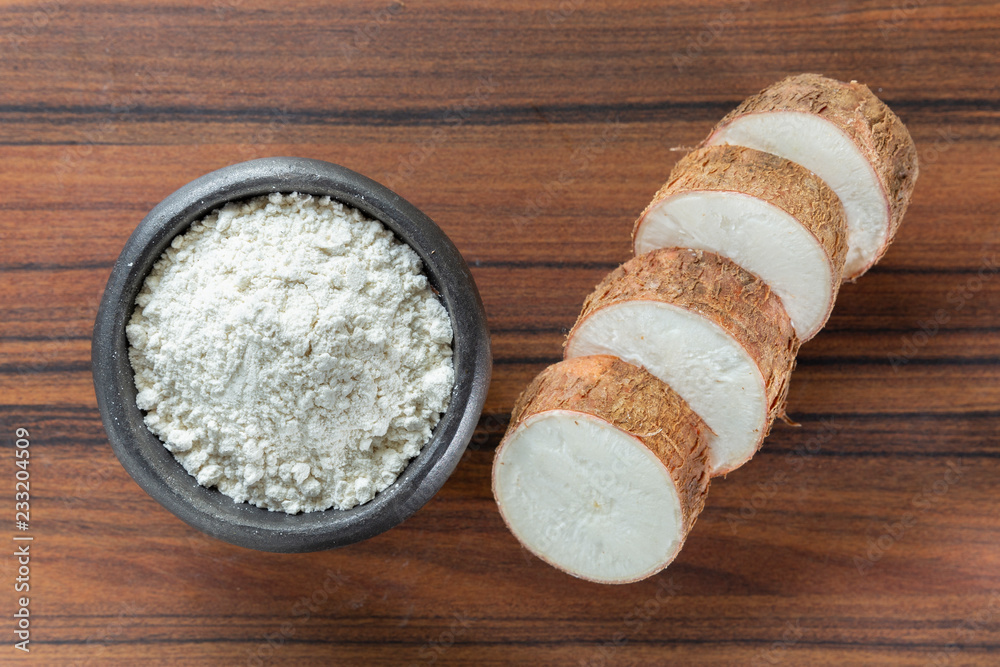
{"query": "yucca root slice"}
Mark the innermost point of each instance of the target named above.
(770, 215)
(710, 329)
(603, 470)
(846, 136)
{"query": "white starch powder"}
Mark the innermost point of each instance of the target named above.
(290, 352)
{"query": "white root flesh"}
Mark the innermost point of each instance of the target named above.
(697, 358)
(760, 237)
(844, 134)
(822, 148)
(767, 214)
(588, 498)
(603, 470)
(708, 328)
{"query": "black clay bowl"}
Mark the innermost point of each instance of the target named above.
(155, 469)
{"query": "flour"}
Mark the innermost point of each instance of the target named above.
(291, 353)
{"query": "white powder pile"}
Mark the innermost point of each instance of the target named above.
(290, 352)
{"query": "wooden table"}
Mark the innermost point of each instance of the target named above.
(533, 133)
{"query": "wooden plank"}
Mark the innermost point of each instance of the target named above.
(533, 133)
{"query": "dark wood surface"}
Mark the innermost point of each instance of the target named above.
(533, 133)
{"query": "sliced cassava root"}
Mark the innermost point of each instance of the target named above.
(846, 136)
(739, 257)
(769, 215)
(711, 330)
(602, 471)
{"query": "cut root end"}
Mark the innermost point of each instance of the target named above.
(587, 483)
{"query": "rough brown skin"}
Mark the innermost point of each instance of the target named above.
(635, 401)
(632, 400)
(775, 180)
(780, 182)
(874, 128)
(720, 290)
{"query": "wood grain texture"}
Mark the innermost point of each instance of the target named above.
(533, 133)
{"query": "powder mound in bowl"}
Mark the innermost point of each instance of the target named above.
(290, 352)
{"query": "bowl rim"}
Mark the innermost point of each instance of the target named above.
(155, 469)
